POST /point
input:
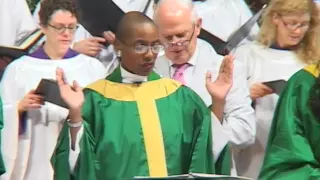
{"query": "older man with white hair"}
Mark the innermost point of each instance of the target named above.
(187, 59)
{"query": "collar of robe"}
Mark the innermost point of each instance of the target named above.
(41, 54)
(276, 46)
(116, 76)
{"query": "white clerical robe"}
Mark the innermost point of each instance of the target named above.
(262, 65)
(223, 17)
(27, 156)
(15, 21)
(238, 125)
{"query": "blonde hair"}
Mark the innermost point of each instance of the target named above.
(308, 49)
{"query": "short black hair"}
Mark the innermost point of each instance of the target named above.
(128, 22)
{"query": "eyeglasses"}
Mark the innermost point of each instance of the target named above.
(62, 29)
(295, 26)
(142, 49)
(180, 44)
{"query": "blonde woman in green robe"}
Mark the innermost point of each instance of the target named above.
(287, 42)
(293, 150)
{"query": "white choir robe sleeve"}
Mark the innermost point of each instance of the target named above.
(15, 22)
(243, 54)
(245, 15)
(239, 119)
(9, 137)
(219, 138)
(25, 22)
(74, 154)
(35, 14)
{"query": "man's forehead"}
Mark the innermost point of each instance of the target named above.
(177, 28)
(144, 28)
(142, 32)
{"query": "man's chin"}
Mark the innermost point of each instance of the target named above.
(145, 71)
(180, 60)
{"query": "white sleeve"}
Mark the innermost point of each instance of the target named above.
(245, 15)
(35, 14)
(25, 22)
(73, 155)
(219, 137)
(9, 135)
(81, 34)
(243, 54)
(98, 69)
(239, 119)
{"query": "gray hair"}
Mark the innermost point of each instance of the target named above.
(184, 3)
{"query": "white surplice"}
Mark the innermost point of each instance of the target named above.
(15, 21)
(27, 156)
(262, 65)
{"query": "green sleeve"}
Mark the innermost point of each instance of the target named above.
(2, 166)
(60, 157)
(289, 154)
(86, 164)
(223, 163)
(202, 157)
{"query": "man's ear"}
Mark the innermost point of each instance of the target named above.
(199, 22)
(117, 45)
(198, 26)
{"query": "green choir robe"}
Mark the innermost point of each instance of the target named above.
(2, 166)
(293, 150)
(156, 128)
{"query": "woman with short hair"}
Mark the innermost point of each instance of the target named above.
(32, 126)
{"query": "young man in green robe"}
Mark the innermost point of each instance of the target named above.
(293, 150)
(134, 123)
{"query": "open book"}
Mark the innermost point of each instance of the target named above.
(277, 85)
(195, 176)
(49, 89)
(23, 47)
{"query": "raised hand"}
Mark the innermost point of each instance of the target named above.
(72, 95)
(222, 85)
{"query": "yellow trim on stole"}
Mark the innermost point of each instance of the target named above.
(145, 95)
(312, 69)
